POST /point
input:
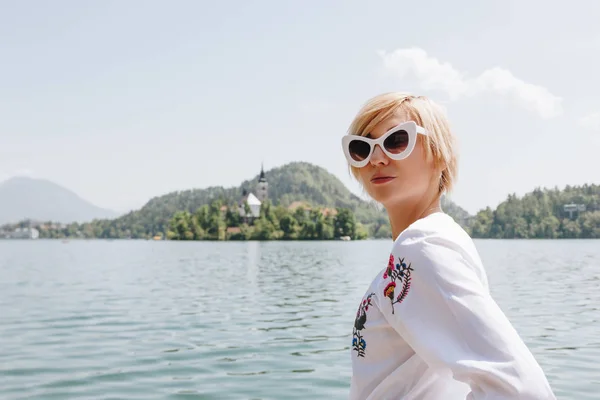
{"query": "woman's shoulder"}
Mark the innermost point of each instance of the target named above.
(434, 240)
(432, 255)
(436, 228)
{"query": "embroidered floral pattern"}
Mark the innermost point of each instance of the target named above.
(399, 275)
(358, 342)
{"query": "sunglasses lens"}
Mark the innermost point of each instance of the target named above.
(397, 142)
(359, 150)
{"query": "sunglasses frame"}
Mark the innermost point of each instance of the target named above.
(410, 127)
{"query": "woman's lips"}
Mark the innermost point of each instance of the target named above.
(379, 180)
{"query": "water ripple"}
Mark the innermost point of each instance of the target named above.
(141, 320)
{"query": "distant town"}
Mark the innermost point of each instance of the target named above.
(20, 233)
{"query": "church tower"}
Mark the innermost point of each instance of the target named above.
(263, 186)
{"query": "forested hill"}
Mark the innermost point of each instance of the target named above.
(296, 181)
(543, 213)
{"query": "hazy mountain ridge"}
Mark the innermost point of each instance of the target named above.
(24, 198)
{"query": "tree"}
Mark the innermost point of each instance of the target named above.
(180, 226)
(345, 224)
(289, 226)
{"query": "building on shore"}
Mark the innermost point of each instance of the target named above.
(254, 205)
(20, 233)
(254, 201)
(263, 186)
(574, 208)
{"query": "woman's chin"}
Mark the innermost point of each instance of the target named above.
(393, 195)
(383, 195)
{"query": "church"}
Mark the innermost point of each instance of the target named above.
(254, 201)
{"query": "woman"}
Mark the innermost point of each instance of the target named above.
(427, 327)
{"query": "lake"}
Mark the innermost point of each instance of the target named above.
(252, 320)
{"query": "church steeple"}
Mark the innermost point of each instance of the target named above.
(263, 186)
(262, 174)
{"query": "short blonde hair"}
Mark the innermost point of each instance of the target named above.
(440, 141)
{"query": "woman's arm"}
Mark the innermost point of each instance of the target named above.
(434, 298)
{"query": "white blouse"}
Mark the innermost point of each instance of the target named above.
(427, 327)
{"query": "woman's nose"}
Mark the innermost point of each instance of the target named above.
(378, 157)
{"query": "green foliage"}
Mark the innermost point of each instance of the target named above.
(540, 214)
(345, 223)
(274, 223)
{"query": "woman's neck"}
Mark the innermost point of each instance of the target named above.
(403, 215)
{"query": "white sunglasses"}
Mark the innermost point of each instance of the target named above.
(397, 144)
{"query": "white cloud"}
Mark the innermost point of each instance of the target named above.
(433, 74)
(591, 121)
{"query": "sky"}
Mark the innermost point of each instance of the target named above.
(122, 101)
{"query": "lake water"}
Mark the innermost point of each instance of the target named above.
(252, 320)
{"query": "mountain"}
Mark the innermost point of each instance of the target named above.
(41, 200)
(293, 182)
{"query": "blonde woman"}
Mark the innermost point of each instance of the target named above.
(427, 327)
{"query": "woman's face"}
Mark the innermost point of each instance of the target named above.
(392, 182)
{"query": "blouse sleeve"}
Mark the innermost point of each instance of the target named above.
(433, 297)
